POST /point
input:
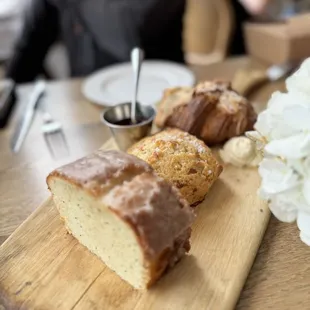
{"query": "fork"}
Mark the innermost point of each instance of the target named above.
(54, 136)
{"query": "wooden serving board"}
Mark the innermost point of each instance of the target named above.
(43, 267)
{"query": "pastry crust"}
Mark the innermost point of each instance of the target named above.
(214, 113)
(172, 98)
(182, 159)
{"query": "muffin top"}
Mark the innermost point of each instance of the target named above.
(181, 159)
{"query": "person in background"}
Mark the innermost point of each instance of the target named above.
(275, 9)
(261, 11)
(99, 33)
(96, 33)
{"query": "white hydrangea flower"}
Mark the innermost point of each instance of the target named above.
(296, 118)
(277, 177)
(303, 221)
(299, 81)
(282, 210)
(302, 167)
(282, 133)
(269, 122)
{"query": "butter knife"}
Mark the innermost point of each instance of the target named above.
(26, 119)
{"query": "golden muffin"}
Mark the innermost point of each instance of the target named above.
(181, 159)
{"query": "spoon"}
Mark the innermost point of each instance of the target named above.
(137, 56)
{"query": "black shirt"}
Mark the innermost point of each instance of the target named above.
(97, 33)
(237, 45)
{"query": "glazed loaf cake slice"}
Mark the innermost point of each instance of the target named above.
(116, 206)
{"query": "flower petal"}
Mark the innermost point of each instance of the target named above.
(297, 117)
(257, 138)
(283, 211)
(306, 190)
(295, 197)
(262, 124)
(301, 166)
(279, 101)
(303, 223)
(270, 123)
(285, 206)
(276, 177)
(299, 81)
(296, 146)
(297, 165)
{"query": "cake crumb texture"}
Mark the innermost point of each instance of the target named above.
(114, 204)
(182, 159)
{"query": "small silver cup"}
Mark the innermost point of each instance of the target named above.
(127, 135)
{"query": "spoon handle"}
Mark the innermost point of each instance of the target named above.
(137, 56)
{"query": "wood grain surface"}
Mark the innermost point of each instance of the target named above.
(280, 276)
(55, 269)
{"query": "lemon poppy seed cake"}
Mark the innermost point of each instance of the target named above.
(182, 159)
(117, 207)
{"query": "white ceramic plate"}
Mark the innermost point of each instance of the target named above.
(114, 84)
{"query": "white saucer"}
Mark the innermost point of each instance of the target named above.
(114, 84)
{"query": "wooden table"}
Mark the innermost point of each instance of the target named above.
(280, 277)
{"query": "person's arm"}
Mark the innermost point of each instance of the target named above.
(39, 32)
(117, 24)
